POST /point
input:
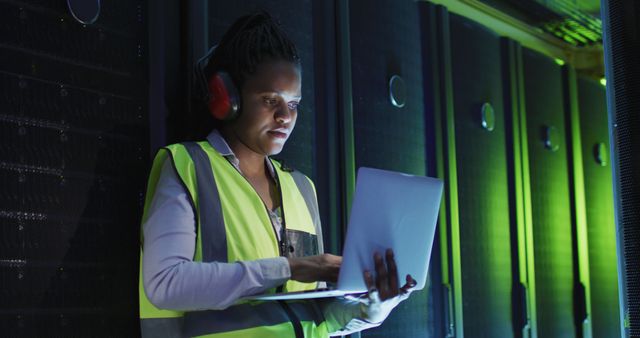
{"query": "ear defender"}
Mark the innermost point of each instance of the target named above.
(224, 101)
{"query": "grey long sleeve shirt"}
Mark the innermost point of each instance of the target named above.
(172, 280)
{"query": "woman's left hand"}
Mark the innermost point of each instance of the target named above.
(386, 281)
(383, 292)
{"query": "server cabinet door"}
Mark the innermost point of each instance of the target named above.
(388, 115)
(483, 191)
(605, 310)
(550, 197)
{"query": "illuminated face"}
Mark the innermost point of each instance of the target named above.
(270, 99)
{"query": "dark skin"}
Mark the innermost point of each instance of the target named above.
(269, 113)
(386, 281)
(270, 98)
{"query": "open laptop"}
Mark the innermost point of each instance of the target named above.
(390, 210)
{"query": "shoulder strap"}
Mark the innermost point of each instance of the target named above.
(212, 228)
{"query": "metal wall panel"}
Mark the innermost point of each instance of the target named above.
(550, 196)
(73, 160)
(483, 195)
(385, 41)
(605, 310)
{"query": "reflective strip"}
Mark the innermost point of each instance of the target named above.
(303, 243)
(245, 316)
(187, 188)
(161, 327)
(309, 195)
(211, 217)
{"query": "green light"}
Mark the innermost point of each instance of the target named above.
(603, 82)
(627, 321)
(560, 62)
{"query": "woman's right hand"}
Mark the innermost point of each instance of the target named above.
(310, 269)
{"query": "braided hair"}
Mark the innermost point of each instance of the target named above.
(251, 40)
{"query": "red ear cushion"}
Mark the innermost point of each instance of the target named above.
(219, 101)
(224, 101)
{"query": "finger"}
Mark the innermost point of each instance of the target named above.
(382, 281)
(410, 284)
(393, 273)
(372, 291)
(334, 275)
(331, 264)
(334, 260)
(368, 280)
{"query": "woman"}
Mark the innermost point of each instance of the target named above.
(223, 221)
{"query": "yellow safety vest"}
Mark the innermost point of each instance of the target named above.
(235, 226)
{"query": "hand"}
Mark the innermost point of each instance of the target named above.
(383, 294)
(386, 282)
(310, 269)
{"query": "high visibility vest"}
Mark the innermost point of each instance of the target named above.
(233, 224)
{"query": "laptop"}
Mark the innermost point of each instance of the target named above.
(389, 210)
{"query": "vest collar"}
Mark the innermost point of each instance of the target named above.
(220, 145)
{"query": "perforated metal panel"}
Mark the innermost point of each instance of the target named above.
(622, 43)
(483, 195)
(550, 198)
(599, 208)
(73, 154)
